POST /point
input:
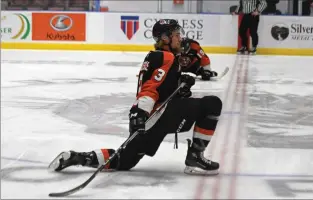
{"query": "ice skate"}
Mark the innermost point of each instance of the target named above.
(242, 51)
(252, 51)
(197, 164)
(71, 158)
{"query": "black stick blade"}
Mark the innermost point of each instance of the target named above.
(76, 189)
(69, 192)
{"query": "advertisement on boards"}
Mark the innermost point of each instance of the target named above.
(15, 26)
(137, 28)
(193, 26)
(59, 26)
(286, 32)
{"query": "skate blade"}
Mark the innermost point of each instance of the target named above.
(55, 164)
(198, 171)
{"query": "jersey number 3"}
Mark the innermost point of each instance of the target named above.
(160, 75)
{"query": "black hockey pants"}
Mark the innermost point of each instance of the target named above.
(190, 110)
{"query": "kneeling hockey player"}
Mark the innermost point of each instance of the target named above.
(159, 77)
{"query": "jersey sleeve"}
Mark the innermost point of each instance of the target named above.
(156, 67)
(204, 59)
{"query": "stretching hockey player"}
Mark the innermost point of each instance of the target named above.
(193, 59)
(159, 77)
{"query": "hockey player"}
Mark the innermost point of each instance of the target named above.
(159, 77)
(193, 59)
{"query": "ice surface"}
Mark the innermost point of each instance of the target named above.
(54, 101)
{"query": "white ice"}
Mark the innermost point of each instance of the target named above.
(32, 134)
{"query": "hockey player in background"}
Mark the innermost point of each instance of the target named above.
(193, 59)
(159, 77)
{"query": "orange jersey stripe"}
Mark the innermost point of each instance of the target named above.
(203, 131)
(106, 156)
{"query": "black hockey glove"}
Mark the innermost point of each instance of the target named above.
(189, 80)
(185, 91)
(137, 120)
(206, 74)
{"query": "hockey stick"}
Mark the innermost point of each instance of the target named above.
(123, 146)
(214, 78)
(219, 77)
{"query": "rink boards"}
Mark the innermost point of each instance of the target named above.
(282, 35)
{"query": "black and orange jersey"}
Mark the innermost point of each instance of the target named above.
(197, 58)
(157, 80)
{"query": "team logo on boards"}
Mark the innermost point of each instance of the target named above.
(15, 26)
(280, 32)
(61, 22)
(129, 25)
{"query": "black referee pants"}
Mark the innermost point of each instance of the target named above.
(249, 22)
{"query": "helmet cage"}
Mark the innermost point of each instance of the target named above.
(185, 46)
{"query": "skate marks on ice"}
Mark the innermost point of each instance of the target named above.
(50, 62)
(283, 187)
(281, 104)
(59, 61)
(30, 176)
(33, 171)
(103, 114)
(281, 184)
(26, 165)
(124, 64)
(107, 114)
(39, 174)
(154, 178)
(139, 178)
(64, 81)
(280, 121)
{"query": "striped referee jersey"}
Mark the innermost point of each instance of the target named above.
(249, 6)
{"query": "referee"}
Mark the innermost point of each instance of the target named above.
(251, 10)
